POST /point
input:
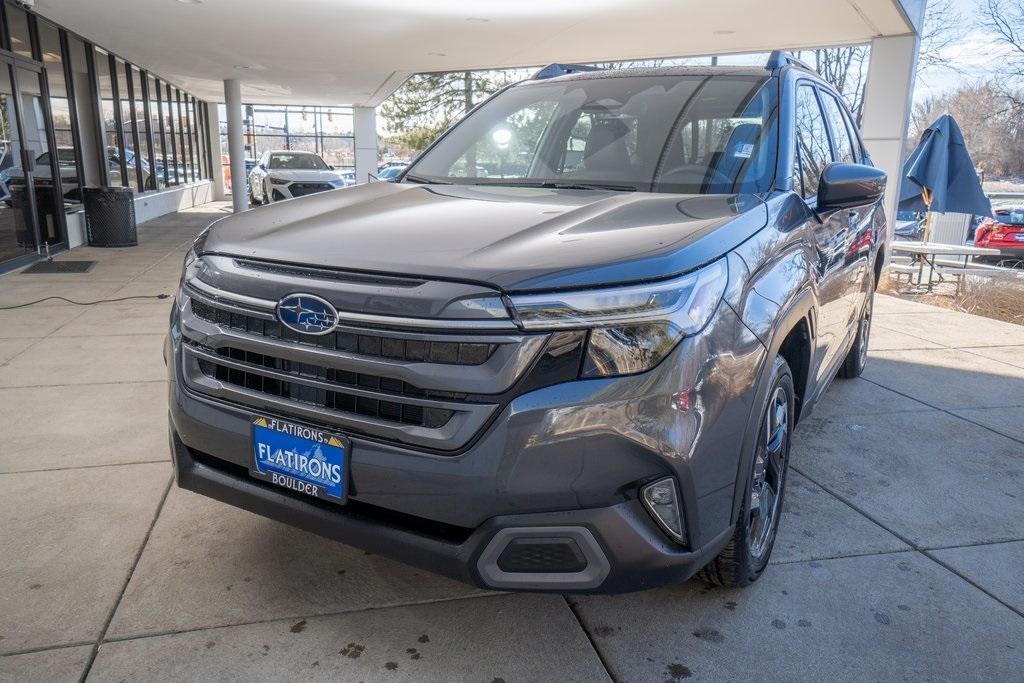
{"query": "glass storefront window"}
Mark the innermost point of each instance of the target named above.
(335, 121)
(159, 162)
(68, 153)
(17, 21)
(339, 152)
(116, 175)
(138, 128)
(167, 110)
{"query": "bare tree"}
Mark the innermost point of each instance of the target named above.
(1006, 21)
(846, 68)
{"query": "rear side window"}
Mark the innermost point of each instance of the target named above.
(812, 148)
(841, 134)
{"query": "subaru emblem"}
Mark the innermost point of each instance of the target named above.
(307, 314)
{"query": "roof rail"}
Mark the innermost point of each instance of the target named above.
(555, 70)
(781, 58)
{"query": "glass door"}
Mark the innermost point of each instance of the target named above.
(19, 226)
(31, 208)
(47, 185)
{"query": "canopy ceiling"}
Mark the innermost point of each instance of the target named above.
(359, 51)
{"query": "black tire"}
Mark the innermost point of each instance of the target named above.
(857, 359)
(743, 560)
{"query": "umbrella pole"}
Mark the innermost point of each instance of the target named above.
(927, 196)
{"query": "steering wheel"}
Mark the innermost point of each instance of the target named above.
(695, 174)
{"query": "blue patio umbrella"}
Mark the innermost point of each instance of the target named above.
(940, 176)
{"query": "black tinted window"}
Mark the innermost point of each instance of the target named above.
(812, 148)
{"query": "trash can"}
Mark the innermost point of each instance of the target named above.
(110, 216)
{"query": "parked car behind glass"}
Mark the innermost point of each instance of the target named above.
(284, 174)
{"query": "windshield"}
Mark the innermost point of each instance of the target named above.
(297, 162)
(1011, 216)
(689, 133)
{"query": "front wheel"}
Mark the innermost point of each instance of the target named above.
(741, 561)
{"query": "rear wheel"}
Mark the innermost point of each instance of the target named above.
(857, 358)
(745, 557)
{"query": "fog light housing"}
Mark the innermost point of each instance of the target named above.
(662, 501)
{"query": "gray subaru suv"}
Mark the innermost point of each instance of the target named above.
(564, 351)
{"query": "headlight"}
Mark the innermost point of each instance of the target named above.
(190, 268)
(278, 181)
(633, 327)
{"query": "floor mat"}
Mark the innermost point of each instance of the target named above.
(60, 267)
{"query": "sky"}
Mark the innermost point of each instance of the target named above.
(973, 57)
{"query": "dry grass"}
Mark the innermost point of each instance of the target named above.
(999, 296)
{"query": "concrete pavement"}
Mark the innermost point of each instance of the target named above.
(898, 558)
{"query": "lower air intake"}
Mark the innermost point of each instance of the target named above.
(533, 555)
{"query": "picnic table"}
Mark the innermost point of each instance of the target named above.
(928, 252)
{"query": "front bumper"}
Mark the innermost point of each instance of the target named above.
(565, 461)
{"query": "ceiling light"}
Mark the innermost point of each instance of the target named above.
(191, 2)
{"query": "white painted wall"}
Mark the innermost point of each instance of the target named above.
(364, 125)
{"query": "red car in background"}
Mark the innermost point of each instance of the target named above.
(1004, 232)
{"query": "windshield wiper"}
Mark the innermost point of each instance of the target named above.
(558, 185)
(590, 186)
(424, 181)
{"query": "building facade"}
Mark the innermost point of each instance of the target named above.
(75, 115)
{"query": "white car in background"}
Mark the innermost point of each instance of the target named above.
(284, 174)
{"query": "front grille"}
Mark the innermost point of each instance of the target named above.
(300, 189)
(393, 348)
(334, 400)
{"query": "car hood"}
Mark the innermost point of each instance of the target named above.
(305, 175)
(511, 238)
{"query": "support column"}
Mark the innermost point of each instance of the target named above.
(887, 107)
(365, 130)
(236, 146)
(213, 138)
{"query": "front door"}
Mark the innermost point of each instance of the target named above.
(31, 206)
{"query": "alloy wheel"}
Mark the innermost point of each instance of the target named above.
(769, 474)
(865, 330)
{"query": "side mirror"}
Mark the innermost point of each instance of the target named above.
(845, 186)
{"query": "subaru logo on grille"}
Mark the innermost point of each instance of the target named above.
(307, 314)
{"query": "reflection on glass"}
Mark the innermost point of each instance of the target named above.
(17, 229)
(66, 157)
(17, 21)
(114, 153)
(37, 149)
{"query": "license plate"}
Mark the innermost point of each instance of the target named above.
(300, 458)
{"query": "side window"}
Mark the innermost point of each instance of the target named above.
(841, 134)
(812, 149)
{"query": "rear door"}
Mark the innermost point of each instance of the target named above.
(831, 236)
